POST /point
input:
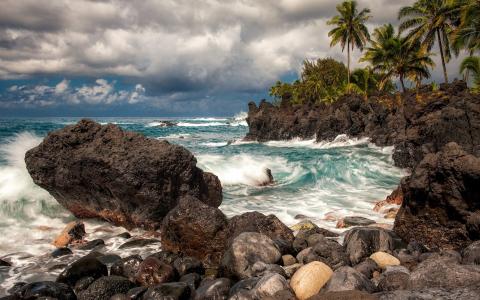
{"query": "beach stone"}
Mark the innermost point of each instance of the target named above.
(406, 258)
(314, 239)
(243, 288)
(195, 229)
(461, 293)
(82, 284)
(247, 249)
(51, 289)
(384, 259)
(260, 269)
(290, 270)
(367, 267)
(361, 242)
(309, 279)
(167, 257)
(329, 252)
(471, 254)
(61, 252)
(123, 177)
(152, 272)
(192, 279)
(4, 263)
(188, 264)
(270, 284)
(138, 243)
(281, 295)
(73, 232)
(345, 295)
(136, 293)
(299, 244)
(301, 256)
(105, 287)
(124, 235)
(86, 266)
(109, 259)
(119, 297)
(347, 278)
(394, 278)
(288, 260)
(354, 221)
(303, 225)
(213, 289)
(170, 291)
(95, 244)
(127, 267)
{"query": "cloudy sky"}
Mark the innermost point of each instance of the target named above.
(160, 57)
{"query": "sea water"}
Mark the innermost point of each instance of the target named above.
(322, 181)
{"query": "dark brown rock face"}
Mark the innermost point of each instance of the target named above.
(123, 177)
(440, 198)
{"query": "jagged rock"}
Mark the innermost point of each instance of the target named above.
(309, 279)
(347, 278)
(439, 196)
(361, 242)
(127, 267)
(247, 249)
(87, 266)
(119, 176)
(396, 198)
(73, 232)
(105, 287)
(213, 289)
(471, 254)
(152, 271)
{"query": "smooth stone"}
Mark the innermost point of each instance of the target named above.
(165, 256)
(192, 279)
(137, 243)
(84, 267)
(471, 254)
(136, 293)
(303, 225)
(4, 263)
(105, 287)
(188, 264)
(245, 285)
(170, 291)
(247, 249)
(51, 289)
(83, 284)
(270, 284)
(384, 259)
(260, 268)
(329, 252)
(95, 244)
(354, 221)
(119, 297)
(290, 270)
(314, 239)
(367, 267)
(347, 278)
(213, 289)
(361, 242)
(303, 254)
(309, 279)
(346, 295)
(394, 278)
(61, 252)
(288, 260)
(152, 271)
(124, 235)
(127, 267)
(109, 259)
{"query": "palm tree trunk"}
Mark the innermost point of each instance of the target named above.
(440, 45)
(403, 83)
(348, 61)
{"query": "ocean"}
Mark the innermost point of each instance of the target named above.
(322, 181)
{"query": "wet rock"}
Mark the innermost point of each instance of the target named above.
(95, 244)
(406, 258)
(124, 235)
(344, 295)
(51, 289)
(82, 284)
(367, 267)
(105, 287)
(119, 297)
(119, 176)
(170, 291)
(136, 293)
(152, 272)
(61, 252)
(269, 180)
(471, 254)
(347, 278)
(288, 260)
(444, 270)
(109, 259)
(16, 287)
(127, 267)
(270, 284)
(307, 228)
(247, 249)
(195, 229)
(260, 269)
(213, 289)
(138, 243)
(73, 232)
(309, 279)
(4, 263)
(188, 264)
(354, 221)
(165, 256)
(439, 197)
(192, 279)
(314, 239)
(384, 259)
(395, 198)
(329, 252)
(243, 288)
(394, 278)
(361, 242)
(299, 244)
(84, 267)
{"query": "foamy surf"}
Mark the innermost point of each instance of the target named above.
(340, 141)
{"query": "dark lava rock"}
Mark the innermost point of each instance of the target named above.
(461, 293)
(95, 244)
(4, 263)
(51, 289)
(439, 197)
(136, 293)
(394, 278)
(471, 254)
(138, 243)
(84, 267)
(361, 242)
(247, 249)
(61, 252)
(329, 252)
(195, 229)
(192, 279)
(119, 176)
(347, 278)
(127, 267)
(124, 235)
(367, 267)
(165, 256)
(170, 291)
(354, 221)
(244, 286)
(105, 287)
(109, 259)
(344, 295)
(16, 287)
(188, 264)
(213, 289)
(83, 284)
(153, 271)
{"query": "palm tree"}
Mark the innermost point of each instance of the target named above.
(350, 30)
(364, 81)
(467, 35)
(472, 65)
(430, 20)
(395, 56)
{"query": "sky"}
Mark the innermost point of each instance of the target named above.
(162, 57)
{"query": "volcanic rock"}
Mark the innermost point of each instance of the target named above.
(347, 278)
(73, 232)
(105, 287)
(123, 177)
(361, 242)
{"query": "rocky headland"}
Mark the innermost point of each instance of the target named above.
(433, 252)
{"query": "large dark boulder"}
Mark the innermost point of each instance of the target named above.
(440, 197)
(123, 177)
(361, 242)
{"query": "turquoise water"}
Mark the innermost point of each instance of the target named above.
(340, 178)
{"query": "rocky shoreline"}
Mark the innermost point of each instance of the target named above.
(103, 172)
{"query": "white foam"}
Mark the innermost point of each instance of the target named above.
(189, 124)
(340, 141)
(207, 119)
(215, 144)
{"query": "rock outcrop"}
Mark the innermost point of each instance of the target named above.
(123, 177)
